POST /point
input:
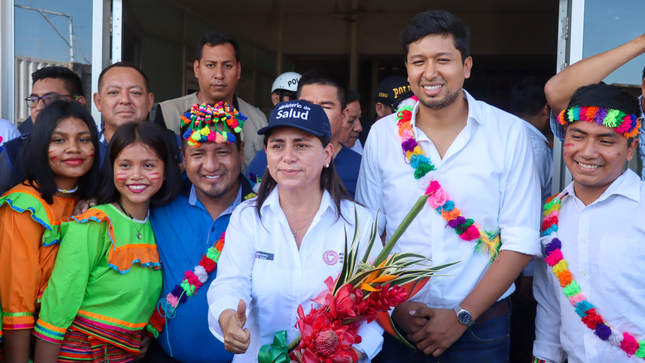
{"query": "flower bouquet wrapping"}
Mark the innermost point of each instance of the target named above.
(364, 291)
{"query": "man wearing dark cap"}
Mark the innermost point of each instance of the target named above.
(389, 93)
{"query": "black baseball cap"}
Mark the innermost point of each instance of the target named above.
(393, 90)
(300, 114)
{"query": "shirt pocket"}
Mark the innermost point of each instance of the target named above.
(622, 265)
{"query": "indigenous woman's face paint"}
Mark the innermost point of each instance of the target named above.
(71, 152)
(138, 175)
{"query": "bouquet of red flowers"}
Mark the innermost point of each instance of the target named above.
(364, 291)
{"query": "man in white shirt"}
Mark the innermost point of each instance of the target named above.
(589, 287)
(481, 158)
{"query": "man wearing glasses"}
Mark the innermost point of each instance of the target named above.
(49, 84)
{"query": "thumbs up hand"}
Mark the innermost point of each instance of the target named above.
(236, 337)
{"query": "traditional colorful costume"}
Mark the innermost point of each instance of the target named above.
(29, 240)
(104, 288)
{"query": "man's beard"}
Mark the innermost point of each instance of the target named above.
(216, 194)
(437, 104)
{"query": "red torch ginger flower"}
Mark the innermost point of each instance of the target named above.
(346, 302)
(387, 298)
(325, 339)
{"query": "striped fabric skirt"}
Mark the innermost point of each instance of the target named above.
(79, 347)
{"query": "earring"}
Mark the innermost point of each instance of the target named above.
(326, 166)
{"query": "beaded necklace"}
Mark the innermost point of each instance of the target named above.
(584, 309)
(438, 198)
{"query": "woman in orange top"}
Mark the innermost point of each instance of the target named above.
(60, 168)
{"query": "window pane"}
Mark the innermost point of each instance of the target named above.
(42, 38)
(609, 24)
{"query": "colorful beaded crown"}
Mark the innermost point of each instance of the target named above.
(202, 120)
(625, 124)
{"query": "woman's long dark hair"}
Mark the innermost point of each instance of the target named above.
(152, 136)
(35, 155)
(329, 181)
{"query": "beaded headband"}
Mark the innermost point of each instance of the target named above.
(203, 119)
(626, 124)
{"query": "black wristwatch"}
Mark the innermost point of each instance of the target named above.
(464, 316)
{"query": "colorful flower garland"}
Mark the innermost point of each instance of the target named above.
(586, 311)
(628, 125)
(192, 281)
(202, 120)
(438, 198)
(189, 285)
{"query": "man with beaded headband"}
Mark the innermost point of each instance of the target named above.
(589, 71)
(475, 163)
(190, 233)
(589, 287)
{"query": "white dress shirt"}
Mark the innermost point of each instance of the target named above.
(262, 265)
(488, 171)
(604, 244)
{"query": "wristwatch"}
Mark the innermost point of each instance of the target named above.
(464, 316)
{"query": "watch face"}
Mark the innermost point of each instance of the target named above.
(464, 317)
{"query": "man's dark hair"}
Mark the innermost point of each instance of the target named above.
(606, 96)
(326, 78)
(124, 65)
(35, 158)
(352, 96)
(72, 82)
(213, 39)
(527, 97)
(437, 22)
(151, 136)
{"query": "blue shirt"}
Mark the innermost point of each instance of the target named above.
(184, 230)
(347, 163)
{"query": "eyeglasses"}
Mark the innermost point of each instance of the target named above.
(32, 101)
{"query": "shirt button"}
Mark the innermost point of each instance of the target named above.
(590, 341)
(583, 240)
(586, 212)
(584, 272)
(435, 282)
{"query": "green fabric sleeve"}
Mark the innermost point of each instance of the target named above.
(82, 247)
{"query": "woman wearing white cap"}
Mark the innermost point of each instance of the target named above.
(281, 246)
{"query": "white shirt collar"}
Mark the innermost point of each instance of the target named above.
(628, 184)
(193, 199)
(473, 111)
(273, 203)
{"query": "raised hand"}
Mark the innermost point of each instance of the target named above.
(236, 337)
